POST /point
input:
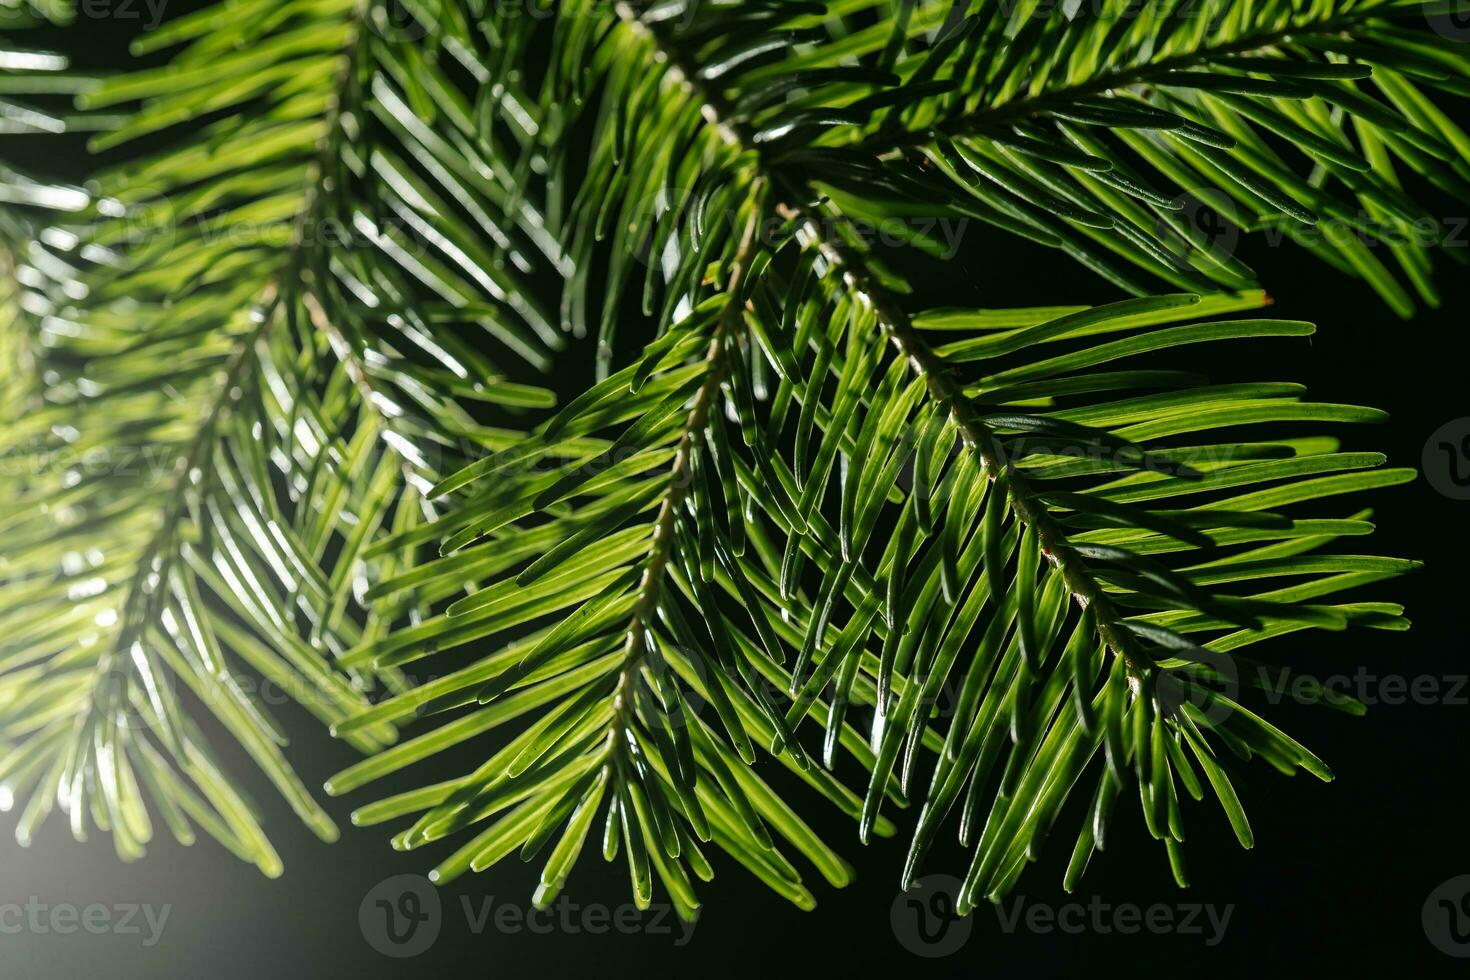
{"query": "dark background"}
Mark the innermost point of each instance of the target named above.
(1336, 882)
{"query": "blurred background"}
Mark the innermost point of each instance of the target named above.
(1347, 877)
